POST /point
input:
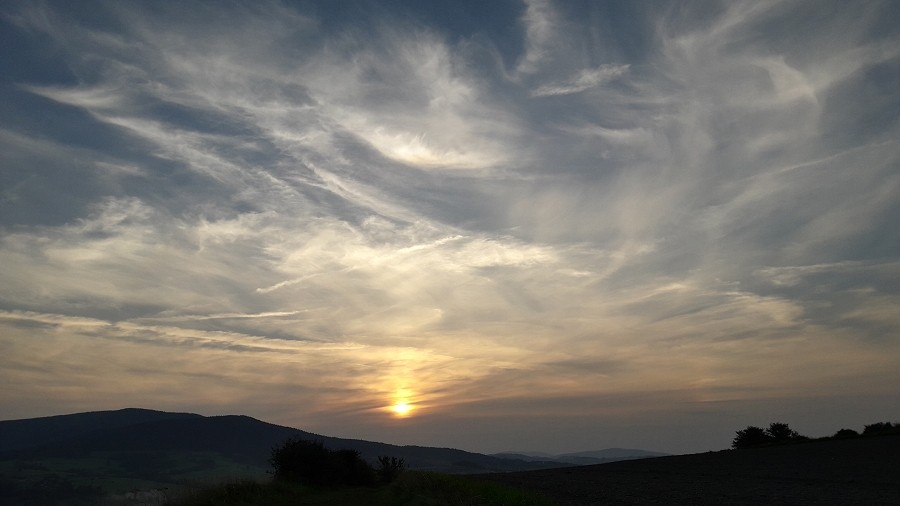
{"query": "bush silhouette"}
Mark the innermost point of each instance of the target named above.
(750, 437)
(389, 468)
(881, 428)
(310, 463)
(781, 432)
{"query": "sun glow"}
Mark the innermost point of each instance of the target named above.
(402, 409)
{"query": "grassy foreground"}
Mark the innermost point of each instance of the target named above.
(413, 488)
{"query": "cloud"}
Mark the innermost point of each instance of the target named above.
(657, 204)
(410, 98)
(584, 80)
(541, 26)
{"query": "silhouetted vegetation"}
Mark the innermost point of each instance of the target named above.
(310, 463)
(389, 468)
(306, 472)
(881, 428)
(781, 433)
(845, 433)
(750, 437)
(778, 432)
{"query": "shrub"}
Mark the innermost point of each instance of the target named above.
(845, 433)
(781, 432)
(881, 428)
(389, 468)
(750, 437)
(310, 463)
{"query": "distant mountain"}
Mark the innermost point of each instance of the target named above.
(153, 436)
(32, 432)
(582, 458)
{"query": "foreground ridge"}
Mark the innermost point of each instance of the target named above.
(840, 471)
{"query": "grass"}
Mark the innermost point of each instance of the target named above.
(412, 488)
(119, 472)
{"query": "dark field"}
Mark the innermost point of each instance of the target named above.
(864, 471)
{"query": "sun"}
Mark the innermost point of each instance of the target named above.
(402, 409)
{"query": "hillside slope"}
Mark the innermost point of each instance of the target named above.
(33, 432)
(240, 439)
(861, 470)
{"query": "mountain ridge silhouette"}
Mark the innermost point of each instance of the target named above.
(241, 438)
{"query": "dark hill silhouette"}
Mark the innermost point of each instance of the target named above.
(861, 470)
(32, 432)
(241, 439)
(245, 438)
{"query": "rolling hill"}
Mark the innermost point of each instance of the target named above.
(241, 440)
(34, 432)
(128, 449)
(139, 449)
(860, 470)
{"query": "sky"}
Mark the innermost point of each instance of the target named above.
(534, 226)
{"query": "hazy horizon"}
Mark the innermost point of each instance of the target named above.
(538, 226)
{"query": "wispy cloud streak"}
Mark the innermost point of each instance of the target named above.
(627, 202)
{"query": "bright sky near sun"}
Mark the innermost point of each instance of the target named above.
(536, 225)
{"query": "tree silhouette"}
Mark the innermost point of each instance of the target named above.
(881, 428)
(389, 468)
(781, 432)
(309, 462)
(750, 437)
